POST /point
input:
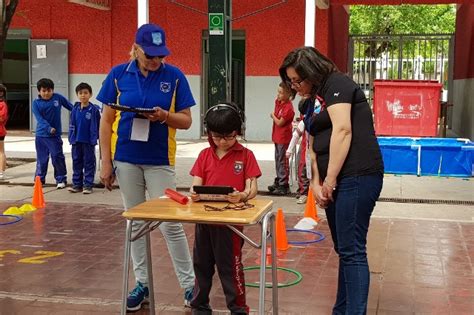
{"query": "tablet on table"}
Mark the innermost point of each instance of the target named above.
(213, 193)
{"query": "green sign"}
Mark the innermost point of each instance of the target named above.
(216, 24)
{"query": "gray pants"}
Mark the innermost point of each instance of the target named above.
(281, 164)
(134, 181)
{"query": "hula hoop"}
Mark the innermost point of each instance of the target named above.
(16, 217)
(298, 279)
(321, 237)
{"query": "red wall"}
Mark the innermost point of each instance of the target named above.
(87, 30)
(338, 36)
(464, 43)
(99, 39)
(322, 31)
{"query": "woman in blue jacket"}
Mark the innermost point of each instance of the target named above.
(142, 146)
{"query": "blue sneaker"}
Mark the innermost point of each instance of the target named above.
(137, 296)
(188, 296)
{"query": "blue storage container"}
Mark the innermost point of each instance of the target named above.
(427, 156)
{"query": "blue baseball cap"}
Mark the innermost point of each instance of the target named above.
(152, 39)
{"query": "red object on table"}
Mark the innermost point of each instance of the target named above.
(176, 196)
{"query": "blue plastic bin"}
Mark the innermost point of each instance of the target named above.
(428, 156)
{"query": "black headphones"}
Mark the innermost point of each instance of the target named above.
(225, 107)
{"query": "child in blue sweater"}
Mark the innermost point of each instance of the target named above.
(83, 135)
(47, 111)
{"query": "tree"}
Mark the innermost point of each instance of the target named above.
(402, 19)
(7, 8)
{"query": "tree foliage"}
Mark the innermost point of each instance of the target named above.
(402, 19)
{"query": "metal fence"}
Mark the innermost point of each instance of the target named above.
(400, 57)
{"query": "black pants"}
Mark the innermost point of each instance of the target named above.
(220, 246)
(282, 167)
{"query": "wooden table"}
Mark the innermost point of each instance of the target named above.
(156, 211)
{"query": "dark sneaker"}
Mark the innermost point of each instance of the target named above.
(87, 190)
(75, 189)
(188, 296)
(271, 188)
(274, 186)
(137, 297)
(281, 191)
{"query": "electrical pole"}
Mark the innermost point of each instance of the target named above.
(220, 50)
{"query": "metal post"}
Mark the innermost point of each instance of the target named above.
(449, 110)
(126, 267)
(263, 263)
(309, 22)
(150, 273)
(274, 265)
(220, 51)
(142, 12)
(400, 58)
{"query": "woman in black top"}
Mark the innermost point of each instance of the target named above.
(346, 163)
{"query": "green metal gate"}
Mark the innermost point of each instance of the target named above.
(401, 57)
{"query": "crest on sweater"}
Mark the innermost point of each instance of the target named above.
(165, 87)
(238, 167)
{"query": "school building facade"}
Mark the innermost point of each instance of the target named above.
(76, 43)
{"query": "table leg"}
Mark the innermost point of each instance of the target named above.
(274, 265)
(263, 261)
(150, 273)
(126, 266)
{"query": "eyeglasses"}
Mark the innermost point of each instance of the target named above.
(230, 206)
(148, 56)
(295, 84)
(218, 137)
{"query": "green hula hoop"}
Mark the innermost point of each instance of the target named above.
(298, 279)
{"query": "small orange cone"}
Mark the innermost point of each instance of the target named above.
(310, 210)
(281, 238)
(38, 197)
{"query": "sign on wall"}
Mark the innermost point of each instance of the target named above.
(216, 24)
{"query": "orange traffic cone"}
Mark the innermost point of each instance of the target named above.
(38, 197)
(281, 238)
(311, 211)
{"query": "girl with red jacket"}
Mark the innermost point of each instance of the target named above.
(3, 130)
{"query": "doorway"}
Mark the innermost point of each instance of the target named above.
(49, 59)
(237, 72)
(16, 78)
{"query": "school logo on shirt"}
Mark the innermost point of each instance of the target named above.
(56, 103)
(165, 87)
(88, 116)
(238, 167)
(317, 106)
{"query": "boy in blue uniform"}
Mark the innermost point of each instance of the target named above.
(47, 111)
(83, 135)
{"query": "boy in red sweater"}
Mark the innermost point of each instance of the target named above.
(282, 117)
(225, 162)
